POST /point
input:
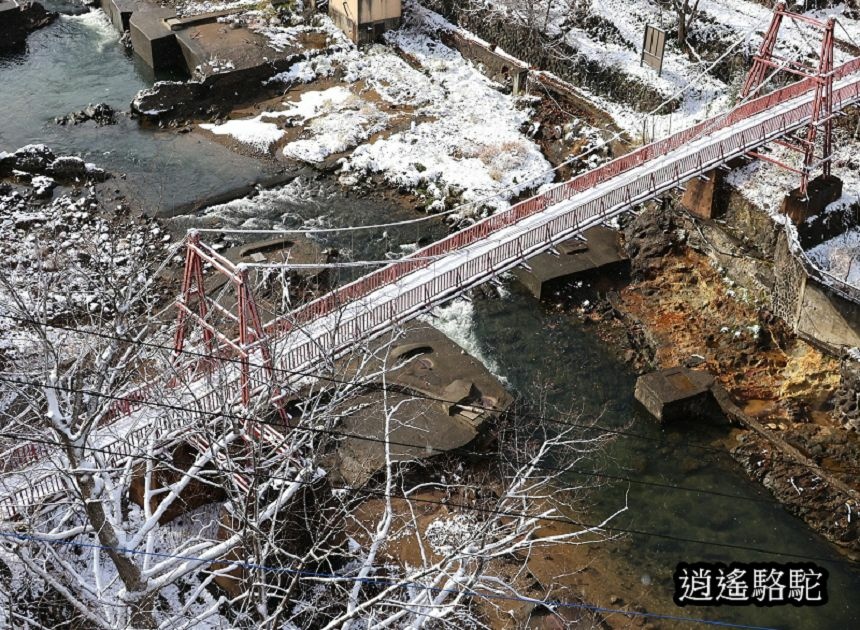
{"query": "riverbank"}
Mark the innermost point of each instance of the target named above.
(676, 307)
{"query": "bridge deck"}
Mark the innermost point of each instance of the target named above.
(317, 333)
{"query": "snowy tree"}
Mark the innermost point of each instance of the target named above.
(183, 509)
(686, 12)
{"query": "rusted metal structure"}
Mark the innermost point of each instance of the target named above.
(250, 337)
(767, 62)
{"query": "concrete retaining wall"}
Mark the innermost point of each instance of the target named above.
(758, 255)
(814, 305)
(498, 66)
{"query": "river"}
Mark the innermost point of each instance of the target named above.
(78, 60)
(538, 349)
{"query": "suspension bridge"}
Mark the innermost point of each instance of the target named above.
(268, 357)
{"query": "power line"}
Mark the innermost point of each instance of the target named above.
(568, 521)
(388, 388)
(375, 493)
(39, 538)
(462, 451)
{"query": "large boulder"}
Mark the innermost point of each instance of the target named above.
(16, 22)
(33, 158)
(168, 100)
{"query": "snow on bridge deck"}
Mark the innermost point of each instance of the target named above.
(325, 328)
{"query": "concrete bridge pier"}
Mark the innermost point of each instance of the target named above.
(822, 191)
(699, 195)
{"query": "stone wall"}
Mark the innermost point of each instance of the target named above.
(828, 319)
(789, 280)
(740, 239)
(847, 399)
(541, 51)
(757, 254)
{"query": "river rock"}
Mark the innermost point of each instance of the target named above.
(16, 22)
(72, 168)
(168, 100)
(101, 113)
(33, 158)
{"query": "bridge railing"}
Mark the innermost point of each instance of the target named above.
(368, 318)
(308, 351)
(52, 483)
(370, 283)
(373, 281)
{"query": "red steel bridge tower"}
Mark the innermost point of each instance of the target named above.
(768, 64)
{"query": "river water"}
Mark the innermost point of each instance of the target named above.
(78, 60)
(540, 351)
(544, 351)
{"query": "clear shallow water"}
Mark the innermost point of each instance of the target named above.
(533, 345)
(313, 200)
(78, 60)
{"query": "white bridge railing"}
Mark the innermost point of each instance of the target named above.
(330, 325)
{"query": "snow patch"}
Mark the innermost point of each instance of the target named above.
(254, 132)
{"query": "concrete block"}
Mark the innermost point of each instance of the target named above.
(153, 41)
(822, 191)
(602, 247)
(120, 12)
(675, 393)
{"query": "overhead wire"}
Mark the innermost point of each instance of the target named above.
(461, 451)
(379, 387)
(387, 581)
(315, 429)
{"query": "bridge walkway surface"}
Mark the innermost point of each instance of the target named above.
(317, 333)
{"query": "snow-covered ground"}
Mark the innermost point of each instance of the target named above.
(189, 8)
(840, 257)
(732, 26)
(766, 184)
(461, 138)
(64, 260)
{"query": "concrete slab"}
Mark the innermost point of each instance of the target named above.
(674, 393)
(458, 391)
(153, 41)
(216, 48)
(602, 247)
